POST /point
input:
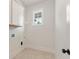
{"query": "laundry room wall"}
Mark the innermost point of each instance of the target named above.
(40, 37)
(15, 42)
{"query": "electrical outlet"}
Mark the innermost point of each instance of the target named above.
(21, 43)
(13, 35)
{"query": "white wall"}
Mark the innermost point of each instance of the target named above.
(15, 46)
(62, 40)
(40, 37)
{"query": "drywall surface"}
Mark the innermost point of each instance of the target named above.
(62, 40)
(40, 37)
(15, 46)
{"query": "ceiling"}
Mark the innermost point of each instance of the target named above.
(30, 2)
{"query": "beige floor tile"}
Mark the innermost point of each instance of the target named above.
(34, 54)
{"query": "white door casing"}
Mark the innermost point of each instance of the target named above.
(62, 29)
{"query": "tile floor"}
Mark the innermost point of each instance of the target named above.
(34, 54)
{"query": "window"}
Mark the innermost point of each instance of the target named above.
(38, 17)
